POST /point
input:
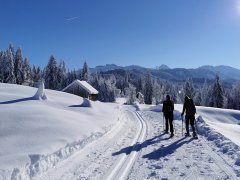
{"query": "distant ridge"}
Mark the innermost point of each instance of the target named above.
(163, 66)
(177, 74)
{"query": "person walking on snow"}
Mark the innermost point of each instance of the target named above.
(167, 110)
(190, 109)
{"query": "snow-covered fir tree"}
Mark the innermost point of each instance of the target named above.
(140, 84)
(50, 74)
(217, 98)
(204, 94)
(157, 92)
(130, 94)
(106, 91)
(71, 76)
(85, 73)
(197, 98)
(62, 75)
(125, 83)
(8, 68)
(27, 73)
(188, 88)
(12, 49)
(36, 74)
(233, 100)
(148, 89)
(1, 65)
(18, 67)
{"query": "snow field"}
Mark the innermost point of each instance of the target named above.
(36, 135)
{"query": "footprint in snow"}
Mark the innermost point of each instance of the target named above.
(166, 159)
(152, 174)
(182, 174)
(157, 166)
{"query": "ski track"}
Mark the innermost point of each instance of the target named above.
(97, 158)
(138, 149)
(125, 163)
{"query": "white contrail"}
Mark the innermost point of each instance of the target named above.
(72, 18)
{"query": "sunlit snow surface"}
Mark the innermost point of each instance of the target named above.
(30, 128)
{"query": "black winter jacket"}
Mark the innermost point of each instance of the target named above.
(189, 107)
(168, 107)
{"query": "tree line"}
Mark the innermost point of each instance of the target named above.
(16, 69)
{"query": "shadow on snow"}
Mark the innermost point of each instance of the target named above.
(157, 154)
(138, 146)
(164, 151)
(17, 100)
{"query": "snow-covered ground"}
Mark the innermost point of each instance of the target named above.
(36, 134)
(67, 137)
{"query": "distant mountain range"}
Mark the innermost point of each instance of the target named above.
(226, 73)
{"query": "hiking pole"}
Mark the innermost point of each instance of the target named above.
(182, 125)
(195, 122)
(174, 126)
(163, 122)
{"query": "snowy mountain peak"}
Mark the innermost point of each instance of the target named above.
(163, 67)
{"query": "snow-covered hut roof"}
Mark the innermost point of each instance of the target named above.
(84, 85)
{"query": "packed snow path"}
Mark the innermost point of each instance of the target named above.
(137, 148)
(180, 157)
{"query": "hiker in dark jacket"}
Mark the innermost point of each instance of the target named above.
(167, 110)
(190, 109)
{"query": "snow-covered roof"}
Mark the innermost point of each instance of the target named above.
(84, 85)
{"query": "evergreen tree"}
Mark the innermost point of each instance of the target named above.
(12, 49)
(234, 97)
(217, 94)
(148, 91)
(130, 94)
(51, 71)
(157, 92)
(1, 65)
(125, 83)
(36, 74)
(8, 71)
(140, 85)
(188, 88)
(205, 94)
(62, 75)
(85, 74)
(27, 73)
(18, 67)
(197, 99)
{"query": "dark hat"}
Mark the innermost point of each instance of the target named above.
(168, 97)
(186, 98)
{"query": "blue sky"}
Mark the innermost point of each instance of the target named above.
(178, 33)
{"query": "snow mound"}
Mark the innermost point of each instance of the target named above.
(40, 94)
(86, 103)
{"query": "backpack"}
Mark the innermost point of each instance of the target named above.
(191, 107)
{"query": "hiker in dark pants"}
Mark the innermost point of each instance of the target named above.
(190, 109)
(167, 110)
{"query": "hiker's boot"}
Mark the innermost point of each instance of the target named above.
(187, 134)
(195, 135)
(171, 135)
